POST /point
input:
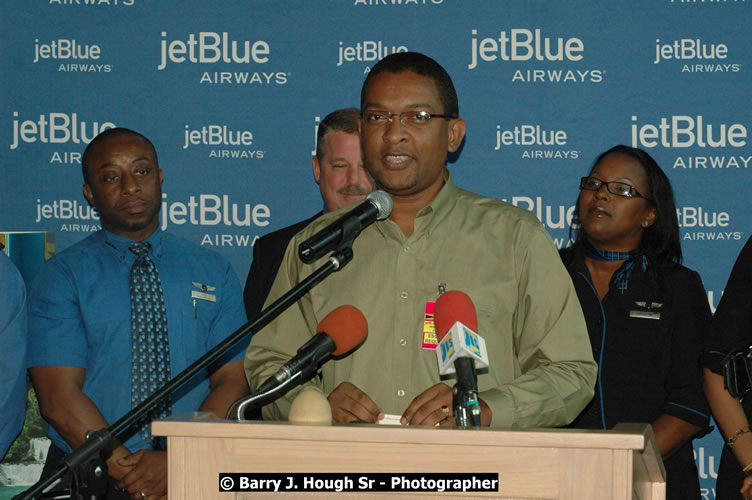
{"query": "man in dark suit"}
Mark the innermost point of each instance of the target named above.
(339, 171)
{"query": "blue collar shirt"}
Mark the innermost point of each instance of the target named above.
(80, 315)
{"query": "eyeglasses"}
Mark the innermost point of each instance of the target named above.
(413, 119)
(617, 188)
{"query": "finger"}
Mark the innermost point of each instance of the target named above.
(419, 410)
(350, 403)
(426, 415)
(139, 495)
(350, 408)
(418, 402)
(342, 415)
(134, 481)
(130, 460)
(364, 405)
(148, 483)
(426, 398)
(449, 421)
(135, 489)
(340, 405)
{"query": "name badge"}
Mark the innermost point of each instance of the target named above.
(644, 314)
(648, 312)
(430, 339)
(203, 296)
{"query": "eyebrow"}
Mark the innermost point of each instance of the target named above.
(113, 164)
(409, 106)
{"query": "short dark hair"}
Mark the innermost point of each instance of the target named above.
(342, 120)
(420, 64)
(106, 135)
(662, 237)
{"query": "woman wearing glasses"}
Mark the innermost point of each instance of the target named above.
(647, 315)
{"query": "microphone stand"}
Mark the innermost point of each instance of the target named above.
(465, 395)
(88, 461)
(238, 409)
(466, 404)
(460, 413)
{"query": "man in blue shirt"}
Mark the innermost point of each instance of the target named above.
(80, 357)
(13, 340)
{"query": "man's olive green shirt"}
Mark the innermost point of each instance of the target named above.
(541, 370)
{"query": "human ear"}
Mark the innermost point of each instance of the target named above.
(457, 128)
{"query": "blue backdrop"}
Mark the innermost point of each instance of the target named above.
(231, 94)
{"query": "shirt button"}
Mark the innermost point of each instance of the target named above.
(406, 249)
(401, 393)
(403, 342)
(403, 295)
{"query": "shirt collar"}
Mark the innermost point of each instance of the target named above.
(640, 264)
(441, 205)
(429, 216)
(121, 245)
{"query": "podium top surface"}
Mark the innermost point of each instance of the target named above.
(623, 436)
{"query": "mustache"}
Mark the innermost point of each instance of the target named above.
(353, 189)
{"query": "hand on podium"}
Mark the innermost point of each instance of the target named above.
(351, 404)
(434, 407)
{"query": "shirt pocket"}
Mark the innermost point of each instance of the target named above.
(190, 338)
(643, 338)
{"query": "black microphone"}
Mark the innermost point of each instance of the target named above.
(377, 206)
(341, 331)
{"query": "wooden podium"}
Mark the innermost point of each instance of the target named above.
(622, 464)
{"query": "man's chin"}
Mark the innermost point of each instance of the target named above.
(398, 188)
(132, 227)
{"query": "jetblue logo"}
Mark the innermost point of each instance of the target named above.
(696, 56)
(699, 217)
(529, 135)
(711, 2)
(215, 135)
(367, 51)
(553, 217)
(210, 47)
(681, 131)
(379, 3)
(700, 224)
(64, 49)
(55, 128)
(689, 48)
(108, 3)
(522, 44)
(227, 143)
(213, 210)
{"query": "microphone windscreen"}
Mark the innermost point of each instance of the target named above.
(346, 326)
(451, 307)
(310, 407)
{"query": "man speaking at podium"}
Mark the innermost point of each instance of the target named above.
(541, 370)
